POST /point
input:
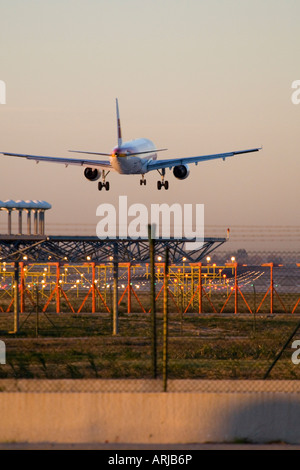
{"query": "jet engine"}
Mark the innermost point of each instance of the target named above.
(92, 174)
(181, 172)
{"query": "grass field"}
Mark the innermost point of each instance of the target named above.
(75, 346)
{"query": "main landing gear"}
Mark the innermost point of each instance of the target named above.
(103, 184)
(162, 183)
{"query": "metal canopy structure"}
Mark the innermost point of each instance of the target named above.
(75, 249)
(37, 208)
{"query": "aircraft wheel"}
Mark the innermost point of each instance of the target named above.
(107, 185)
(100, 186)
(166, 185)
(159, 185)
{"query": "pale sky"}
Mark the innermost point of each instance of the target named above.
(196, 77)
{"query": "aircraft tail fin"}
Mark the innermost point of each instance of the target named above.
(119, 124)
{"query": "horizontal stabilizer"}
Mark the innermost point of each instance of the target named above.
(148, 151)
(91, 153)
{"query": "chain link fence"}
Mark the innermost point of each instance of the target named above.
(229, 320)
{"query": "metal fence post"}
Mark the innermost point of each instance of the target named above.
(200, 288)
(37, 310)
(115, 291)
(236, 305)
(165, 324)
(58, 293)
(129, 289)
(93, 288)
(272, 289)
(153, 303)
(16, 299)
(22, 289)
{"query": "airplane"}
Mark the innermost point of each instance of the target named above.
(135, 157)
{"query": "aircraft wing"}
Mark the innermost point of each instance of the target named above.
(159, 164)
(104, 164)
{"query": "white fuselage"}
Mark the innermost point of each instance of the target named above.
(125, 161)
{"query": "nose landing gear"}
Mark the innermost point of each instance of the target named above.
(143, 181)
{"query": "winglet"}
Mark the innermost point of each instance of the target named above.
(119, 124)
